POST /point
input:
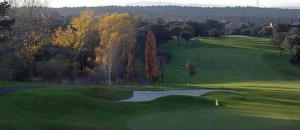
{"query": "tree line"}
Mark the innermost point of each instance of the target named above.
(177, 13)
(104, 48)
(287, 38)
(97, 49)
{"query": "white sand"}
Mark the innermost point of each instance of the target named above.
(141, 96)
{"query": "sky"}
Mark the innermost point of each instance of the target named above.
(262, 3)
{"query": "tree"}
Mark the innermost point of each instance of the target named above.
(73, 39)
(190, 69)
(278, 40)
(267, 31)
(151, 66)
(176, 30)
(161, 32)
(203, 29)
(244, 26)
(118, 38)
(197, 29)
(5, 21)
(251, 23)
(247, 32)
(214, 33)
(163, 58)
(294, 30)
(295, 59)
(130, 67)
(292, 43)
(235, 31)
(255, 30)
(29, 33)
(5, 28)
(212, 24)
(186, 35)
(280, 27)
(189, 28)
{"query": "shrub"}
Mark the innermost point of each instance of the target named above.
(52, 70)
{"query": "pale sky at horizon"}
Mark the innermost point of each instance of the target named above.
(263, 3)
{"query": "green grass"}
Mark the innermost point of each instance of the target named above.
(231, 59)
(266, 94)
(6, 84)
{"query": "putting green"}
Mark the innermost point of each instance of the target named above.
(204, 119)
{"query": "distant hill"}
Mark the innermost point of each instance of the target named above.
(176, 13)
(291, 6)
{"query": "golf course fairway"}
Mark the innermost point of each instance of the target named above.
(264, 94)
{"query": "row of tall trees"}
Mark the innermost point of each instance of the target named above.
(189, 29)
(249, 28)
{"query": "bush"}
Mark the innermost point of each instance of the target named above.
(95, 76)
(53, 70)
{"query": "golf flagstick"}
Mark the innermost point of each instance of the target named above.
(215, 115)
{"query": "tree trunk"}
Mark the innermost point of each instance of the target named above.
(178, 38)
(74, 68)
(109, 70)
(281, 52)
(189, 81)
(162, 76)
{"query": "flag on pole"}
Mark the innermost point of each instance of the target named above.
(217, 104)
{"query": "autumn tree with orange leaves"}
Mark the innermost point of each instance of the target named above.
(118, 38)
(151, 66)
(74, 37)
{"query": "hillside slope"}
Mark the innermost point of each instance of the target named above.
(227, 60)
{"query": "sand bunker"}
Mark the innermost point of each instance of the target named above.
(141, 96)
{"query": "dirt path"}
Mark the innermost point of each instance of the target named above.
(15, 88)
